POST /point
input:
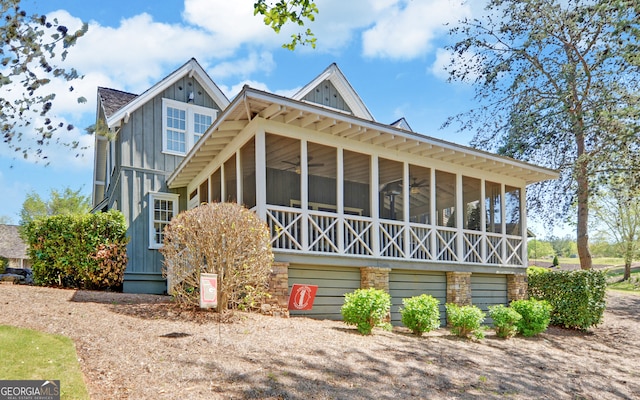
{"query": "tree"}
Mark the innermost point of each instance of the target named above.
(618, 209)
(557, 83)
(539, 249)
(5, 220)
(65, 202)
(289, 11)
(564, 246)
(28, 56)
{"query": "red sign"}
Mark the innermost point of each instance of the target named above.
(208, 290)
(302, 296)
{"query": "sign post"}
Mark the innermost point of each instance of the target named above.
(208, 290)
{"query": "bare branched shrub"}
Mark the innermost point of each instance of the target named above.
(224, 239)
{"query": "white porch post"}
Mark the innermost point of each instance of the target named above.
(460, 218)
(223, 185)
(304, 195)
(340, 198)
(523, 225)
(261, 175)
(239, 178)
(375, 210)
(503, 227)
(483, 220)
(433, 244)
(405, 207)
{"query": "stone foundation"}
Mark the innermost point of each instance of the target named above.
(459, 288)
(377, 278)
(517, 286)
(277, 304)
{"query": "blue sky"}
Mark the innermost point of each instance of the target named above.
(392, 52)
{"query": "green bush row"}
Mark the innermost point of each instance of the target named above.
(577, 297)
(368, 308)
(86, 251)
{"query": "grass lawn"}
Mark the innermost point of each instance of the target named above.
(32, 355)
(611, 261)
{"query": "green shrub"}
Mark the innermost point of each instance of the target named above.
(555, 262)
(420, 313)
(86, 251)
(4, 263)
(532, 270)
(535, 316)
(577, 297)
(504, 320)
(366, 309)
(465, 320)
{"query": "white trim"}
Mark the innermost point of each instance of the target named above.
(153, 196)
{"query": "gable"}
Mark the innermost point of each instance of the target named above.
(331, 89)
(327, 95)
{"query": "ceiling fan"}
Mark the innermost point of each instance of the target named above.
(296, 165)
(415, 186)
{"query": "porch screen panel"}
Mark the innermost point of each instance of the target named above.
(513, 214)
(419, 194)
(471, 202)
(230, 180)
(215, 181)
(492, 204)
(283, 171)
(204, 192)
(357, 177)
(445, 199)
(390, 189)
(322, 167)
(248, 161)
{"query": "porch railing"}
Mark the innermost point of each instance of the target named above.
(320, 232)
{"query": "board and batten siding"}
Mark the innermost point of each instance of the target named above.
(406, 283)
(488, 290)
(327, 95)
(143, 168)
(333, 283)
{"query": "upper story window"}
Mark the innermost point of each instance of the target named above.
(183, 124)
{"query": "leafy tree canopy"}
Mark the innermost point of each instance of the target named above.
(66, 202)
(278, 14)
(30, 48)
(558, 84)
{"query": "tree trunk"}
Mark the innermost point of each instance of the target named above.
(628, 259)
(582, 180)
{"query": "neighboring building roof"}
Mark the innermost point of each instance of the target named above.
(402, 124)
(191, 68)
(11, 245)
(271, 107)
(112, 100)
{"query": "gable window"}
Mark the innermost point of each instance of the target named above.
(162, 208)
(183, 124)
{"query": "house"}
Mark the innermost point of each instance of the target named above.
(351, 202)
(13, 248)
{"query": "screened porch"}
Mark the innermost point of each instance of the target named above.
(323, 199)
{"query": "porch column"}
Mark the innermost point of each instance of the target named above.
(239, 185)
(503, 226)
(340, 198)
(375, 210)
(459, 288)
(433, 244)
(405, 207)
(517, 286)
(523, 226)
(459, 218)
(261, 175)
(483, 220)
(304, 195)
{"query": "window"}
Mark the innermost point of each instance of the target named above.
(183, 125)
(162, 208)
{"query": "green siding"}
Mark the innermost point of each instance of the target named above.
(333, 283)
(405, 284)
(488, 290)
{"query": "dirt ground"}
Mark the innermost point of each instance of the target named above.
(140, 347)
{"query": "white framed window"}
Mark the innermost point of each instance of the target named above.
(162, 208)
(183, 124)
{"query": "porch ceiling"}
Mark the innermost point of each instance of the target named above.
(251, 104)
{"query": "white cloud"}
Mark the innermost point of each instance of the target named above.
(407, 29)
(254, 62)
